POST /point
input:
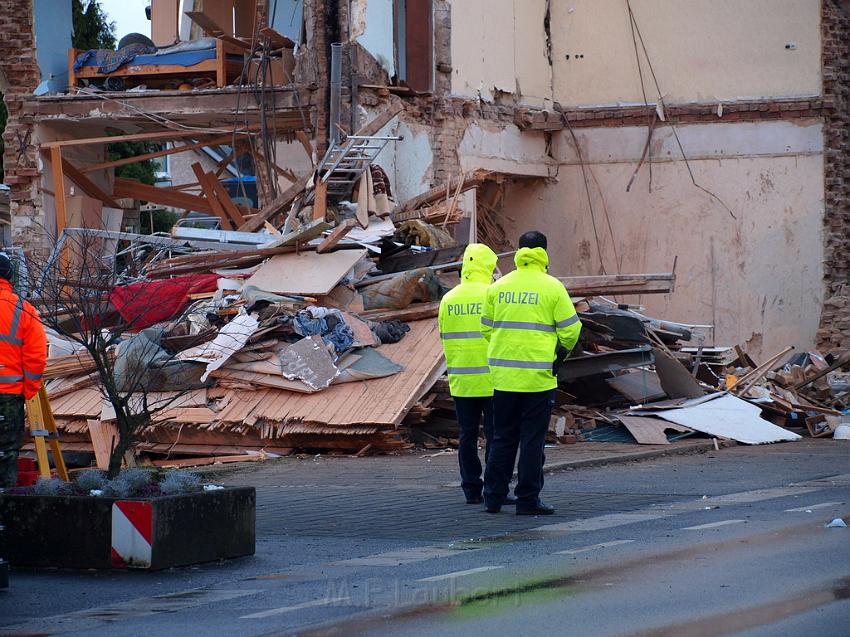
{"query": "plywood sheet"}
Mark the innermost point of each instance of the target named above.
(726, 416)
(649, 431)
(104, 437)
(676, 380)
(84, 403)
(305, 273)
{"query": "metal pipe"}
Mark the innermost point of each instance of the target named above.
(336, 89)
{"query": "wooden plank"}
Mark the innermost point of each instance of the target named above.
(200, 462)
(104, 437)
(56, 165)
(336, 236)
(222, 139)
(306, 272)
(162, 196)
(206, 261)
(87, 185)
(382, 119)
(165, 16)
(239, 44)
(274, 207)
(207, 23)
(132, 137)
(416, 312)
(653, 283)
(473, 180)
(226, 202)
(276, 40)
(320, 200)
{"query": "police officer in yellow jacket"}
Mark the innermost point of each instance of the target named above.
(527, 314)
(466, 362)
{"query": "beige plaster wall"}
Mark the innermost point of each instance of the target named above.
(700, 50)
(500, 45)
(757, 277)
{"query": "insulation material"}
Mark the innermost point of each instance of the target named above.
(308, 360)
(230, 339)
(724, 416)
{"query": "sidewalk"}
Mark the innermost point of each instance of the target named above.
(419, 468)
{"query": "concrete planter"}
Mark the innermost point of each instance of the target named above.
(102, 533)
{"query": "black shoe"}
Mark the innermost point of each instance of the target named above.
(492, 508)
(538, 508)
(474, 499)
(509, 501)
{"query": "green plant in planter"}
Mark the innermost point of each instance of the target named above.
(130, 483)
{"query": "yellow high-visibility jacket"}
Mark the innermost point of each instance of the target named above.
(460, 325)
(527, 313)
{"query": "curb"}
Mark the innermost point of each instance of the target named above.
(697, 447)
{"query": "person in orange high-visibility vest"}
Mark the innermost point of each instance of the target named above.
(23, 356)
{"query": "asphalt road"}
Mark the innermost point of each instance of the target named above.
(725, 543)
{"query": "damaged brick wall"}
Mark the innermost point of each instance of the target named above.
(19, 76)
(834, 332)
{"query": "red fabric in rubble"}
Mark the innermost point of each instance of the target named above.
(144, 304)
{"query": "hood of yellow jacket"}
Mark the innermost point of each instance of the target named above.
(479, 261)
(532, 259)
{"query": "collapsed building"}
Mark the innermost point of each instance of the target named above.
(735, 115)
(707, 139)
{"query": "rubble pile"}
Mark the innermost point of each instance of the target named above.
(633, 378)
(319, 336)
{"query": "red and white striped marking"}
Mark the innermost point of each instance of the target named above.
(132, 534)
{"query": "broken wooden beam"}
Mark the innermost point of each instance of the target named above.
(274, 207)
(472, 180)
(162, 196)
(382, 119)
(660, 283)
(336, 236)
(87, 185)
(416, 312)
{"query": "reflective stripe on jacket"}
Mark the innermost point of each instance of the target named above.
(526, 315)
(23, 345)
(460, 325)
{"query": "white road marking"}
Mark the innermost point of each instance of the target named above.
(406, 556)
(605, 521)
(289, 609)
(471, 571)
(742, 497)
(713, 525)
(593, 547)
(812, 507)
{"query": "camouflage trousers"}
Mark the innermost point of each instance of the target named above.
(11, 437)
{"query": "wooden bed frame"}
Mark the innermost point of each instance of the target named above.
(220, 68)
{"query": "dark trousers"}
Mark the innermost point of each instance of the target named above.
(11, 437)
(469, 416)
(521, 421)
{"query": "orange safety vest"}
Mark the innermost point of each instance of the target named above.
(23, 345)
